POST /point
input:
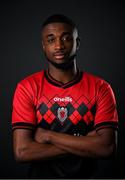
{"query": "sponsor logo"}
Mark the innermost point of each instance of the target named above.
(65, 99)
(77, 134)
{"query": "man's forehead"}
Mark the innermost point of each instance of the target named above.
(58, 26)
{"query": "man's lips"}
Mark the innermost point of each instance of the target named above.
(59, 55)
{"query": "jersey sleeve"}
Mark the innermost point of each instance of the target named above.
(106, 112)
(23, 113)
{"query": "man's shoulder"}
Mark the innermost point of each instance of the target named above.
(32, 80)
(94, 78)
(33, 77)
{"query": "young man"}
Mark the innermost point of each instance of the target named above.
(63, 119)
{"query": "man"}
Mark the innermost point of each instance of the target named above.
(63, 119)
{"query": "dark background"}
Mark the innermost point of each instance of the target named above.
(102, 27)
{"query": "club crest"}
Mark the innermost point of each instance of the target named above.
(62, 114)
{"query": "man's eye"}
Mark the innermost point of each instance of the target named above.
(50, 40)
(67, 38)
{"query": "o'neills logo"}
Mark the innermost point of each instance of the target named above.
(65, 99)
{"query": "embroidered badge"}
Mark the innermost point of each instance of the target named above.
(62, 114)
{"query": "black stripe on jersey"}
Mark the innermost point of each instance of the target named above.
(53, 81)
(22, 125)
(106, 124)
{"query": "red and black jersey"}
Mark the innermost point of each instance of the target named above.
(40, 100)
(85, 103)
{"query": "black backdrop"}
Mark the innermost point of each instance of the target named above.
(101, 26)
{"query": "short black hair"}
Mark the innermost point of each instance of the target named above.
(55, 18)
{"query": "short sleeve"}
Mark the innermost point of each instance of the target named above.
(106, 112)
(23, 113)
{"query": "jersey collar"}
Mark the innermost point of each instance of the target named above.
(54, 82)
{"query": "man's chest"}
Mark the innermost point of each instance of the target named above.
(70, 111)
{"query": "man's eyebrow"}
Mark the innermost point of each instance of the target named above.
(49, 35)
(64, 33)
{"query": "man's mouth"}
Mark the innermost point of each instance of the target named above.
(59, 55)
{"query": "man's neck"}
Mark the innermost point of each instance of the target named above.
(63, 75)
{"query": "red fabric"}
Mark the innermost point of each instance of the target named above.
(36, 98)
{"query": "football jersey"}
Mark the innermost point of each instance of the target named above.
(85, 103)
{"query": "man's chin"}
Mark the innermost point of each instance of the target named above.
(63, 64)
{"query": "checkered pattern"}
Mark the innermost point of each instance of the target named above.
(77, 110)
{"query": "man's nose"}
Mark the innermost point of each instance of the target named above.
(59, 44)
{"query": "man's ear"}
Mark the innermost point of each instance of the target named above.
(77, 42)
(43, 46)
